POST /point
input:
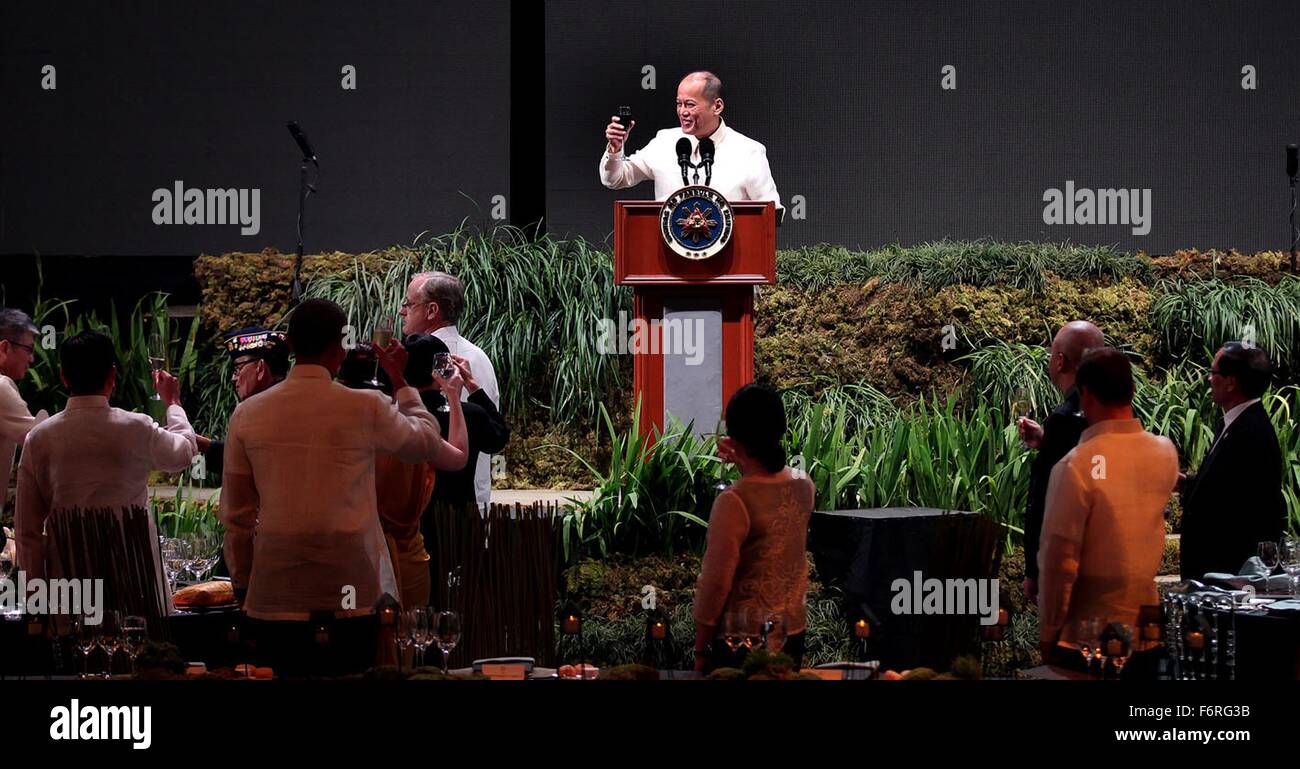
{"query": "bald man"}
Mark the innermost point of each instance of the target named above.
(740, 168)
(1054, 438)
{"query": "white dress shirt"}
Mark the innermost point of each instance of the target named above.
(298, 493)
(92, 455)
(740, 168)
(15, 422)
(486, 376)
(1104, 528)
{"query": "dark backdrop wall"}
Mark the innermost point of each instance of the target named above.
(149, 93)
(847, 98)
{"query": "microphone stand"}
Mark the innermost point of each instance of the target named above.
(304, 190)
(1295, 234)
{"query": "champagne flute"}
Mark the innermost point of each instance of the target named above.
(381, 337)
(446, 367)
(157, 358)
(448, 635)
(406, 632)
(1022, 405)
(133, 637)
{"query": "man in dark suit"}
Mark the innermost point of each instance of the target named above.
(1055, 437)
(1234, 501)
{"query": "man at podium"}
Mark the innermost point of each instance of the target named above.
(739, 170)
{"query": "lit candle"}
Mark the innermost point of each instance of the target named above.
(861, 629)
(571, 624)
(1004, 619)
(658, 631)
(1195, 640)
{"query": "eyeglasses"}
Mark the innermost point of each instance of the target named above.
(408, 304)
(239, 365)
(29, 348)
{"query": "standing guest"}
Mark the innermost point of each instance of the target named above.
(1104, 528)
(403, 488)
(91, 454)
(17, 351)
(1054, 438)
(756, 559)
(303, 537)
(485, 430)
(1235, 500)
(259, 359)
(434, 304)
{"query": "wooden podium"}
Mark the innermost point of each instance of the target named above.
(718, 291)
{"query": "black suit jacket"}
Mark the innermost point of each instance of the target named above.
(1235, 500)
(1061, 433)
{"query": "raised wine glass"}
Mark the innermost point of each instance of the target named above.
(1022, 405)
(448, 635)
(446, 367)
(381, 337)
(157, 358)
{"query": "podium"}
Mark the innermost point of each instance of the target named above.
(706, 304)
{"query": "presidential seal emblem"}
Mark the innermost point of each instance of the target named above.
(696, 222)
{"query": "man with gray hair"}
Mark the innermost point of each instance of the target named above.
(433, 305)
(17, 352)
(740, 167)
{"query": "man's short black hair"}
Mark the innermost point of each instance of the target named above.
(86, 360)
(1249, 366)
(316, 327)
(1107, 374)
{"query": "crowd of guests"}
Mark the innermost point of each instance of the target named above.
(331, 472)
(327, 481)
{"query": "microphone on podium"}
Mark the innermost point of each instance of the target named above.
(684, 157)
(706, 159)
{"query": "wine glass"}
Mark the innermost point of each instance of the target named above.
(1270, 555)
(774, 632)
(733, 630)
(446, 367)
(157, 358)
(177, 561)
(110, 638)
(1289, 557)
(84, 633)
(133, 637)
(407, 631)
(447, 635)
(205, 551)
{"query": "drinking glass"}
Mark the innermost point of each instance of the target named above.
(109, 638)
(1289, 557)
(380, 338)
(133, 637)
(85, 635)
(205, 551)
(1269, 555)
(774, 632)
(447, 635)
(157, 359)
(446, 367)
(423, 632)
(406, 633)
(733, 630)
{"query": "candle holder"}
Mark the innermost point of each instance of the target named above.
(571, 625)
